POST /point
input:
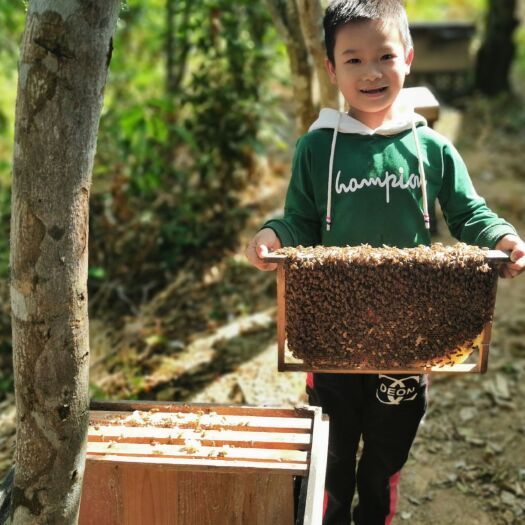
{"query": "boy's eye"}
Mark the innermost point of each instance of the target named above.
(353, 61)
(388, 56)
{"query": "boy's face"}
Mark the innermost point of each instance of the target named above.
(371, 63)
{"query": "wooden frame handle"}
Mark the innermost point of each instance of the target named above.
(493, 256)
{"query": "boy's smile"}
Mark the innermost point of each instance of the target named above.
(374, 92)
(371, 63)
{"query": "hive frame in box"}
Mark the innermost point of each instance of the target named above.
(493, 256)
(129, 480)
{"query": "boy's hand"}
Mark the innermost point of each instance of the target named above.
(516, 246)
(262, 243)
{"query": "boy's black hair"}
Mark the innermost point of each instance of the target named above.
(341, 12)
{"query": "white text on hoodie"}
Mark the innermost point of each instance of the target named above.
(390, 181)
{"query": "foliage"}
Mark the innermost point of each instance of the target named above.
(520, 53)
(12, 14)
(172, 161)
(6, 379)
(445, 10)
(5, 218)
(503, 115)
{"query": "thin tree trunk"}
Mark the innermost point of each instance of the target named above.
(495, 56)
(285, 16)
(311, 19)
(171, 83)
(65, 55)
(170, 47)
(177, 49)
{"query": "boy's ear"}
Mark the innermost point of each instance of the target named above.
(409, 58)
(330, 69)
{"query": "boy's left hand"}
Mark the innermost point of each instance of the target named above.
(516, 246)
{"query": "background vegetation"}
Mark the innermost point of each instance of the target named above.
(194, 107)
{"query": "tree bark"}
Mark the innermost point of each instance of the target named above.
(285, 16)
(495, 56)
(311, 19)
(65, 54)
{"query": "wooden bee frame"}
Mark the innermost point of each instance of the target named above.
(284, 364)
(202, 464)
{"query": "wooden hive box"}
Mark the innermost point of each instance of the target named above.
(423, 101)
(442, 47)
(477, 357)
(179, 464)
(443, 57)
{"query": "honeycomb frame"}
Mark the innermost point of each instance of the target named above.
(476, 363)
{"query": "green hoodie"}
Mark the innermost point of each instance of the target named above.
(375, 192)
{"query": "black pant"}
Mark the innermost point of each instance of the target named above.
(385, 411)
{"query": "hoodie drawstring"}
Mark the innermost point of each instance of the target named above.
(330, 176)
(422, 176)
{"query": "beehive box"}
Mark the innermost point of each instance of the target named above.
(177, 464)
(379, 310)
(423, 101)
(442, 47)
(443, 58)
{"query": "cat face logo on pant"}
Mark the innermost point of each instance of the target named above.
(394, 390)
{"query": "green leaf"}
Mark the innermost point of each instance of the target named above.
(97, 272)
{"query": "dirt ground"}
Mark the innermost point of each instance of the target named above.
(467, 466)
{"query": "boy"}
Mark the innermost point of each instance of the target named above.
(365, 177)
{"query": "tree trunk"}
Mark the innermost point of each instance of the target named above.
(177, 49)
(311, 19)
(170, 47)
(285, 16)
(495, 56)
(65, 55)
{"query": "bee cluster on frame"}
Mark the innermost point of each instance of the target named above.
(383, 308)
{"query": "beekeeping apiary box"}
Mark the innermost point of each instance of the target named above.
(179, 464)
(423, 101)
(385, 310)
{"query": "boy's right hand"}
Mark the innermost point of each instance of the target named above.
(262, 243)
